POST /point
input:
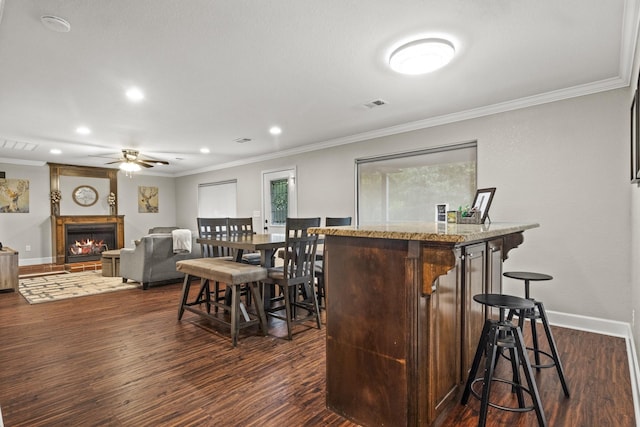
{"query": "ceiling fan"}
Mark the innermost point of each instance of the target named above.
(131, 161)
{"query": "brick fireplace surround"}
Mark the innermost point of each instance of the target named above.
(58, 231)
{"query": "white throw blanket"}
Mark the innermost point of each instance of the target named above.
(181, 240)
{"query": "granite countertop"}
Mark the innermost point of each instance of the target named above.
(427, 231)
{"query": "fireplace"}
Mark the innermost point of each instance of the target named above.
(86, 242)
(84, 238)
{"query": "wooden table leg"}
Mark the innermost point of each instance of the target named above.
(185, 294)
(259, 303)
(235, 312)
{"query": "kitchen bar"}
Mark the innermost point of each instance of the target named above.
(401, 323)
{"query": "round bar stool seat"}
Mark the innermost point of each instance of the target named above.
(503, 302)
(497, 336)
(538, 312)
(527, 277)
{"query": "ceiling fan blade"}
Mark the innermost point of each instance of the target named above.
(154, 161)
(107, 156)
(142, 163)
(115, 161)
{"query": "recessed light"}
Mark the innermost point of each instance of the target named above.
(135, 94)
(83, 130)
(55, 151)
(205, 150)
(422, 56)
(275, 130)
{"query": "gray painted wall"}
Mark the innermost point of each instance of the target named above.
(19, 230)
(563, 165)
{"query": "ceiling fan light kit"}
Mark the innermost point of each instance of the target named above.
(422, 56)
(131, 162)
(130, 167)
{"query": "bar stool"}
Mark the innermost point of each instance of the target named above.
(538, 312)
(496, 337)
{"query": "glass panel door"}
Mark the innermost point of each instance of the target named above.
(279, 199)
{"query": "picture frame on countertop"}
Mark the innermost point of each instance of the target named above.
(441, 212)
(482, 202)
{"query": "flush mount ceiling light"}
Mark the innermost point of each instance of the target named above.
(55, 23)
(421, 56)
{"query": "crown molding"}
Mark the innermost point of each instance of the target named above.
(544, 98)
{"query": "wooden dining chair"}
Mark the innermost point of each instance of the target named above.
(295, 277)
(240, 226)
(209, 228)
(212, 228)
(337, 221)
(319, 267)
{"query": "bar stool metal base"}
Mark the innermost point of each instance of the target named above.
(496, 337)
(538, 312)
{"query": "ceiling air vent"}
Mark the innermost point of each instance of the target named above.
(17, 145)
(242, 140)
(375, 103)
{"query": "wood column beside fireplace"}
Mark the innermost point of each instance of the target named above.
(58, 235)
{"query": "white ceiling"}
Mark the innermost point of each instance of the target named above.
(214, 71)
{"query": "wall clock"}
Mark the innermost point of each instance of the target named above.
(85, 195)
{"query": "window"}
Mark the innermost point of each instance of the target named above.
(217, 199)
(407, 186)
(279, 201)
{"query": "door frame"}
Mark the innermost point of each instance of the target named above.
(285, 172)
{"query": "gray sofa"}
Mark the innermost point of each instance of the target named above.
(152, 261)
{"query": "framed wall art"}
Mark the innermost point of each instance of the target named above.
(147, 199)
(14, 195)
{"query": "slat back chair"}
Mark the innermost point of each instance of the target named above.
(296, 277)
(240, 226)
(337, 221)
(213, 227)
(329, 222)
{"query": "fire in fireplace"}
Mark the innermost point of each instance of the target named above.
(88, 247)
(85, 242)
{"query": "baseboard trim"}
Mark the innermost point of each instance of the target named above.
(606, 327)
(34, 261)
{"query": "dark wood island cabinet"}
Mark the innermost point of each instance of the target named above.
(401, 323)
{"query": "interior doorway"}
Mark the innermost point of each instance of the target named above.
(279, 199)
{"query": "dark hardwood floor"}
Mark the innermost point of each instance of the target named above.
(122, 359)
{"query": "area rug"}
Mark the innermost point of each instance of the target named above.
(69, 285)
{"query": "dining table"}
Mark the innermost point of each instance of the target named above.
(266, 244)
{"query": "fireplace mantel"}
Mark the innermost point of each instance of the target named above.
(58, 232)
